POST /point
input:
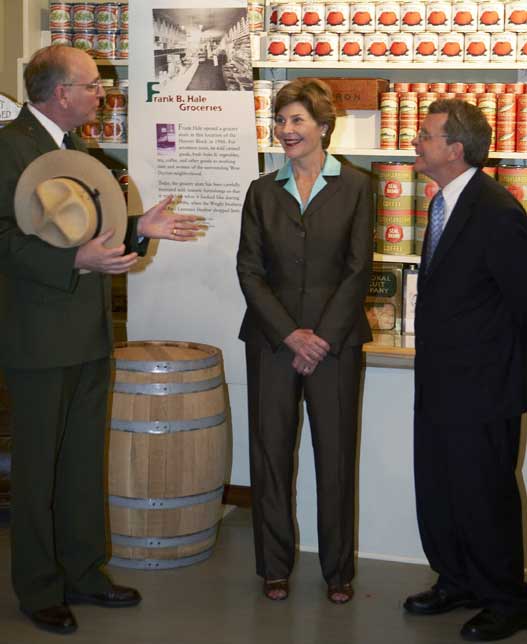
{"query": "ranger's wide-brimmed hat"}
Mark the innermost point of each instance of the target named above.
(67, 197)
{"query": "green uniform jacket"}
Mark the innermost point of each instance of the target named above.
(50, 316)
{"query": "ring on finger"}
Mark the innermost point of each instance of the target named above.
(175, 231)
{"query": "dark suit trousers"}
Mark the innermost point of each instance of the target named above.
(469, 508)
(331, 394)
(58, 515)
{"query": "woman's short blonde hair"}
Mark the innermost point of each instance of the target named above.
(316, 97)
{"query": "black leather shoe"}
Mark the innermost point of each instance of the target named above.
(438, 600)
(490, 625)
(57, 619)
(116, 597)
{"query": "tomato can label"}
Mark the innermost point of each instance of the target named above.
(273, 16)
(83, 16)
(376, 46)
(426, 47)
(401, 47)
(388, 17)
(278, 46)
(465, 17)
(451, 46)
(338, 17)
(60, 16)
(351, 47)
(413, 17)
(439, 16)
(516, 16)
(326, 46)
(503, 47)
(491, 16)
(477, 88)
(302, 46)
(313, 17)
(362, 17)
(289, 18)
(477, 47)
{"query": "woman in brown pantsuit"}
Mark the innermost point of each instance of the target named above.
(304, 264)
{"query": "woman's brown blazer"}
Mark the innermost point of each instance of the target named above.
(307, 271)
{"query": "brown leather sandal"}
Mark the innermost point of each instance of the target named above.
(340, 589)
(278, 586)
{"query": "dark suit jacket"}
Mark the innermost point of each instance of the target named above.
(470, 326)
(50, 315)
(310, 270)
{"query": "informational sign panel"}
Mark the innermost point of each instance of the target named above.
(191, 135)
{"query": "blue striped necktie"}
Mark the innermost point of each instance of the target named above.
(437, 219)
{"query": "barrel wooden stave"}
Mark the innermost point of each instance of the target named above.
(170, 465)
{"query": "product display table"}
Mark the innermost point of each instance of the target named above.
(388, 350)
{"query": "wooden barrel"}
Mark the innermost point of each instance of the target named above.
(168, 446)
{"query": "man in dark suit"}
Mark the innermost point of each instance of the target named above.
(470, 379)
(55, 344)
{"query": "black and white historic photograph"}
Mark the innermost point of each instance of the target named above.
(202, 49)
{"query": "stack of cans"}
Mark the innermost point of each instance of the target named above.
(100, 29)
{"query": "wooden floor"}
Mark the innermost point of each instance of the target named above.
(220, 602)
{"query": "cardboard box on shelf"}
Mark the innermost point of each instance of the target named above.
(357, 93)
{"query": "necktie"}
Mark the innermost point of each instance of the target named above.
(68, 142)
(437, 218)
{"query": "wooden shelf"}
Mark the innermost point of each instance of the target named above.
(335, 64)
(399, 259)
(387, 344)
(105, 146)
(380, 152)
